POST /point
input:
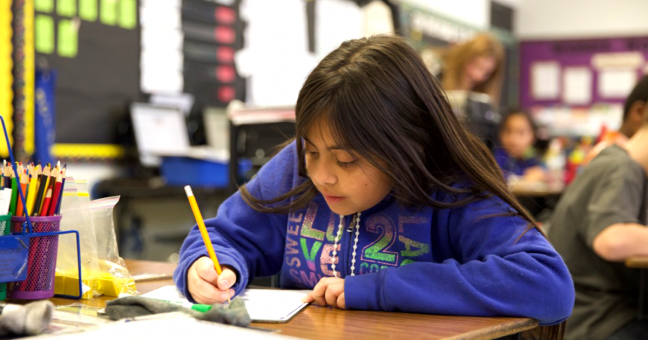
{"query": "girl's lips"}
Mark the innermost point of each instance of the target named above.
(333, 199)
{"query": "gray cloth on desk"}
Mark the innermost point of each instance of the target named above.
(132, 306)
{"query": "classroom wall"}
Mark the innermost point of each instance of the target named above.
(556, 19)
(164, 220)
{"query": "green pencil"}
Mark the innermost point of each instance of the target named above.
(14, 195)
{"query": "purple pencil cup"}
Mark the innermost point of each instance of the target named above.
(41, 266)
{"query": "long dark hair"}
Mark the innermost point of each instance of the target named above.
(382, 103)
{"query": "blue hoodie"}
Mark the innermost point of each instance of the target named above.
(450, 261)
(511, 165)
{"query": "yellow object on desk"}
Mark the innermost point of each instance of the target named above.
(111, 280)
(68, 284)
(113, 286)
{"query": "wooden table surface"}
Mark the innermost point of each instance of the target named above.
(535, 192)
(327, 323)
(637, 262)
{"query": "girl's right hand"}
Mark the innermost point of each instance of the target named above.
(206, 286)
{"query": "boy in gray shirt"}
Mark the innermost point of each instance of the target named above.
(599, 222)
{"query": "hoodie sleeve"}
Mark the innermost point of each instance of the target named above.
(250, 241)
(490, 272)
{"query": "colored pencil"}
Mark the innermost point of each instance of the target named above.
(203, 231)
(14, 193)
(47, 173)
(31, 194)
(46, 202)
(60, 200)
(41, 191)
(55, 196)
(24, 179)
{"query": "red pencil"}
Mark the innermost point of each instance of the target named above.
(24, 179)
(46, 202)
(55, 196)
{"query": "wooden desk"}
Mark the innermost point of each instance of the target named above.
(530, 192)
(637, 262)
(326, 323)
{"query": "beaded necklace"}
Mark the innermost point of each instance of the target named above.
(355, 243)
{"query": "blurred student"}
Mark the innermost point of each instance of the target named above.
(472, 75)
(475, 66)
(516, 155)
(633, 111)
(599, 222)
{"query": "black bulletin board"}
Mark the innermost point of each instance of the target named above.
(96, 84)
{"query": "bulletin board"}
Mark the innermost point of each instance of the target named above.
(580, 72)
(97, 49)
(577, 86)
(93, 45)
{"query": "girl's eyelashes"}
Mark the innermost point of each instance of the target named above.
(347, 164)
(314, 154)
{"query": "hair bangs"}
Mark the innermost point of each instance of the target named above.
(360, 118)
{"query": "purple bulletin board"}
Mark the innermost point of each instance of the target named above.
(575, 53)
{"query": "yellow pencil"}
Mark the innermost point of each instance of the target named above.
(31, 195)
(203, 231)
(46, 178)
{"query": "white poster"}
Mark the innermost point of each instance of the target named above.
(616, 83)
(545, 80)
(577, 86)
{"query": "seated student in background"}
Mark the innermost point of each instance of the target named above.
(516, 155)
(633, 111)
(598, 223)
(383, 202)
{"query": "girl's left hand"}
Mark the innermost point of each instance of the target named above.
(328, 291)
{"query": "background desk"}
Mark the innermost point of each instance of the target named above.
(540, 202)
(327, 323)
(637, 262)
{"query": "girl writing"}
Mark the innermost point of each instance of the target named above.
(382, 202)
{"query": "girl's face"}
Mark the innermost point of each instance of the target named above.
(480, 69)
(348, 183)
(517, 135)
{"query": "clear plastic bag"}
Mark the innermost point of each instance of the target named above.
(103, 271)
(114, 276)
(75, 209)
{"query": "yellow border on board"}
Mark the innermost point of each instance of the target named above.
(6, 77)
(29, 77)
(109, 151)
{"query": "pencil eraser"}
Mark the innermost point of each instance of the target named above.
(188, 190)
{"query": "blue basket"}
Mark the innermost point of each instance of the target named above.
(16, 248)
(181, 171)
